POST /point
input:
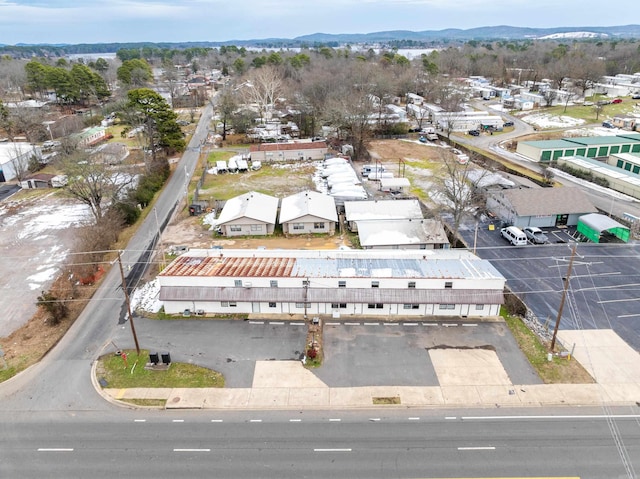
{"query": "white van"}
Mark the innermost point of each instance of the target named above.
(514, 235)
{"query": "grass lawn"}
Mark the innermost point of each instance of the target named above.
(588, 113)
(179, 375)
(556, 371)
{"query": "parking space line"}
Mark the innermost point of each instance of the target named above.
(332, 324)
(352, 324)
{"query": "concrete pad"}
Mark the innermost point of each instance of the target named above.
(350, 397)
(460, 395)
(186, 398)
(604, 354)
(468, 367)
(583, 394)
(269, 397)
(227, 398)
(498, 395)
(527, 394)
(421, 396)
(284, 374)
(318, 397)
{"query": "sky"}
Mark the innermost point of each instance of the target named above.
(84, 21)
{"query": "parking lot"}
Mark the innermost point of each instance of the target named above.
(604, 283)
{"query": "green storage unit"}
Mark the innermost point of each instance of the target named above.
(594, 225)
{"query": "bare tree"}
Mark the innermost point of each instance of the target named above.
(262, 87)
(94, 183)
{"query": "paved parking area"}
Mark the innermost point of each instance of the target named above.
(420, 354)
(604, 283)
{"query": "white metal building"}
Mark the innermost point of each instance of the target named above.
(380, 210)
(402, 234)
(308, 212)
(14, 159)
(337, 283)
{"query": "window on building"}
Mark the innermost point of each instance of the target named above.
(238, 283)
(232, 304)
(375, 284)
(342, 284)
(410, 306)
(273, 283)
(375, 305)
(338, 305)
(318, 226)
(298, 226)
(412, 285)
(256, 227)
(299, 305)
(447, 306)
(448, 285)
(479, 307)
(235, 228)
(272, 305)
(224, 304)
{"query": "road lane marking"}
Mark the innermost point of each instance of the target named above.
(470, 325)
(296, 324)
(216, 420)
(410, 324)
(372, 324)
(178, 420)
(332, 450)
(352, 324)
(191, 450)
(295, 420)
(478, 448)
(374, 419)
(392, 324)
(55, 449)
(429, 324)
(594, 416)
(335, 420)
(414, 419)
(139, 420)
(256, 322)
(277, 322)
(255, 420)
(450, 417)
(332, 324)
(447, 325)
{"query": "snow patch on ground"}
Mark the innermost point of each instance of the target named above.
(147, 297)
(545, 120)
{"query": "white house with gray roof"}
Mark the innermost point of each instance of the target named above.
(332, 282)
(308, 212)
(251, 214)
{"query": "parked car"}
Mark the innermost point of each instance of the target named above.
(636, 96)
(474, 132)
(608, 124)
(508, 123)
(535, 235)
(616, 101)
(514, 235)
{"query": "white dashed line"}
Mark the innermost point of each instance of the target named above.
(447, 325)
(470, 325)
(178, 420)
(191, 450)
(277, 323)
(335, 420)
(352, 324)
(392, 324)
(295, 420)
(410, 324)
(332, 324)
(332, 450)
(374, 419)
(139, 420)
(216, 420)
(256, 322)
(55, 449)
(297, 324)
(481, 448)
(429, 324)
(450, 417)
(414, 419)
(372, 324)
(255, 420)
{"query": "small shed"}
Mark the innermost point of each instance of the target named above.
(602, 229)
(394, 184)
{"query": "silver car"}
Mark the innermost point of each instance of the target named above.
(535, 235)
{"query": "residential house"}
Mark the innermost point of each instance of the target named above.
(308, 212)
(251, 214)
(293, 151)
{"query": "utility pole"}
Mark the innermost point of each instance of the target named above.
(564, 296)
(126, 297)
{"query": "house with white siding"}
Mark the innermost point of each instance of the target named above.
(402, 234)
(332, 282)
(308, 212)
(292, 151)
(251, 214)
(380, 210)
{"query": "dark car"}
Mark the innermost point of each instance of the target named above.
(608, 124)
(474, 132)
(508, 123)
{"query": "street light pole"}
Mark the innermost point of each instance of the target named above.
(126, 297)
(564, 296)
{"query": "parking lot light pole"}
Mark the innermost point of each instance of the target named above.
(564, 296)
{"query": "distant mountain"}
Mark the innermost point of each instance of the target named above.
(481, 33)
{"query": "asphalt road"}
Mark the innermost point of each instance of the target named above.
(400, 444)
